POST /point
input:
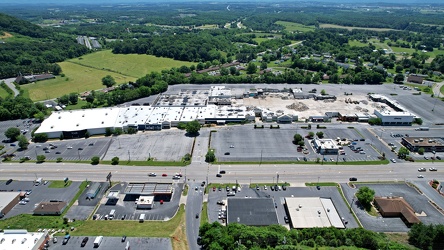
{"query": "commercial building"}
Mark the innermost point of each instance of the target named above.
(50, 208)
(429, 144)
(22, 240)
(251, 211)
(325, 146)
(310, 212)
(160, 191)
(394, 118)
(93, 190)
(145, 202)
(396, 207)
(7, 201)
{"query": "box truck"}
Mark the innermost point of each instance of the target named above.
(97, 241)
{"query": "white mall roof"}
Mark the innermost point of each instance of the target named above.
(6, 198)
(20, 240)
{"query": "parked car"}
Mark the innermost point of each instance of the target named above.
(393, 160)
(438, 157)
(84, 241)
(8, 181)
(54, 240)
(286, 219)
(218, 175)
(227, 153)
(124, 238)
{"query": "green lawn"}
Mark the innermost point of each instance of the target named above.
(59, 184)
(77, 79)
(442, 89)
(130, 228)
(357, 43)
(204, 215)
(259, 40)
(290, 26)
(3, 93)
(131, 64)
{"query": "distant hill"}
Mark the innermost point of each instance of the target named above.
(12, 24)
(58, 2)
(36, 51)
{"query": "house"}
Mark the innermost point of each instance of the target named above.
(415, 79)
(50, 208)
(396, 207)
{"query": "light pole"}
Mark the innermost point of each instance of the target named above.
(129, 155)
(277, 178)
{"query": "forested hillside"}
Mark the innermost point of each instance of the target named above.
(32, 49)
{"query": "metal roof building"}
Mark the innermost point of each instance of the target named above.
(310, 212)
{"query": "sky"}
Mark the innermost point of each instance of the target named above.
(219, 1)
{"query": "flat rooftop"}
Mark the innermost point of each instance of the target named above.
(425, 141)
(251, 211)
(6, 198)
(20, 239)
(148, 188)
(310, 212)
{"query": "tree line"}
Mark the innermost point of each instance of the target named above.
(237, 236)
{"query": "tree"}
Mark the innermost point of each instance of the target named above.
(365, 196)
(297, 138)
(40, 137)
(251, 68)
(264, 65)
(311, 135)
(41, 158)
(22, 141)
(73, 98)
(108, 81)
(320, 134)
(210, 156)
(115, 161)
(417, 121)
(192, 127)
(398, 78)
(187, 157)
(323, 92)
(403, 152)
(12, 133)
(421, 151)
(95, 160)
(59, 159)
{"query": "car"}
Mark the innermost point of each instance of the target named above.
(202, 184)
(214, 189)
(176, 177)
(276, 188)
(28, 192)
(8, 181)
(45, 148)
(438, 157)
(227, 188)
(227, 153)
(231, 146)
(220, 189)
(84, 241)
(275, 205)
(47, 151)
(284, 187)
(12, 144)
(433, 169)
(164, 175)
(22, 202)
(26, 199)
(231, 193)
(66, 239)
(420, 176)
(220, 202)
(222, 172)
(265, 187)
(257, 187)
(393, 160)
(123, 217)
(286, 219)
(422, 169)
(58, 152)
(272, 188)
(305, 159)
(54, 240)
(426, 158)
(45, 182)
(196, 188)
(197, 216)
(69, 147)
(218, 175)
(152, 174)
(80, 148)
(123, 238)
(353, 179)
(91, 144)
(362, 152)
(178, 174)
(362, 139)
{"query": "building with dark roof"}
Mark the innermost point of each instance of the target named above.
(50, 208)
(415, 79)
(396, 207)
(251, 211)
(429, 144)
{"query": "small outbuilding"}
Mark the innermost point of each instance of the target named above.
(50, 208)
(396, 207)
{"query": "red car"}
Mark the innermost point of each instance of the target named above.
(164, 175)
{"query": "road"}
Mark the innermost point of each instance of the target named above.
(10, 83)
(193, 207)
(295, 174)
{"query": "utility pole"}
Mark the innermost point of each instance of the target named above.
(129, 155)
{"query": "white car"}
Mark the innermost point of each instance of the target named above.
(393, 160)
(22, 202)
(69, 147)
(420, 176)
(231, 146)
(152, 174)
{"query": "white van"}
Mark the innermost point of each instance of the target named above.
(142, 218)
(112, 214)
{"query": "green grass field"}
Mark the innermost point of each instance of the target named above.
(290, 26)
(59, 184)
(334, 26)
(259, 40)
(3, 93)
(77, 79)
(131, 64)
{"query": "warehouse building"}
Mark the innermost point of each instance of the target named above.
(310, 212)
(429, 144)
(159, 191)
(7, 201)
(251, 211)
(394, 118)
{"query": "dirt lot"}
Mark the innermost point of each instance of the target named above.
(311, 107)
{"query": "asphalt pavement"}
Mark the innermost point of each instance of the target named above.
(193, 207)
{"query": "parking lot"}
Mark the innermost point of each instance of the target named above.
(125, 207)
(39, 193)
(329, 192)
(113, 243)
(419, 203)
(165, 145)
(83, 208)
(25, 126)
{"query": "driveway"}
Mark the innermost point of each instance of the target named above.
(10, 83)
